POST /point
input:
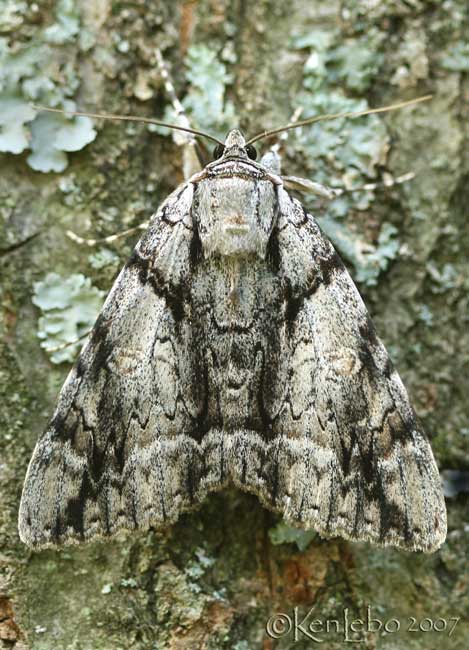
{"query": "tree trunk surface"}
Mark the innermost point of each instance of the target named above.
(217, 577)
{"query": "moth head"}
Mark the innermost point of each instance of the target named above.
(235, 147)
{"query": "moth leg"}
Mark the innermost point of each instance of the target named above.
(194, 157)
(272, 158)
(388, 181)
(310, 187)
(106, 240)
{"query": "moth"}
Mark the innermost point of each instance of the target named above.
(234, 348)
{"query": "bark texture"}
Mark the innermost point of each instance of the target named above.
(214, 579)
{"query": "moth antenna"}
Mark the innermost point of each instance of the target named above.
(334, 116)
(129, 118)
(63, 346)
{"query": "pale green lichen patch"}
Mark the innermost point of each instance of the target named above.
(345, 152)
(337, 145)
(103, 258)
(352, 63)
(30, 72)
(457, 59)
(17, 63)
(205, 102)
(67, 23)
(196, 567)
(446, 278)
(368, 259)
(282, 533)
(11, 15)
(69, 308)
(15, 113)
(53, 134)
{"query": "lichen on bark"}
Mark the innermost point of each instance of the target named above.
(213, 580)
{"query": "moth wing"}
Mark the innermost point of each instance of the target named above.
(101, 466)
(361, 467)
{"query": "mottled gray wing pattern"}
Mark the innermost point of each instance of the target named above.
(360, 465)
(99, 466)
(133, 441)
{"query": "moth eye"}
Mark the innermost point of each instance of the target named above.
(251, 152)
(218, 151)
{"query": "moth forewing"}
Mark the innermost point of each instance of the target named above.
(234, 347)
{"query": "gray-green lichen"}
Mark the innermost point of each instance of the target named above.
(30, 74)
(368, 259)
(284, 534)
(15, 113)
(52, 135)
(342, 152)
(213, 580)
(103, 258)
(205, 102)
(69, 309)
(457, 58)
(67, 23)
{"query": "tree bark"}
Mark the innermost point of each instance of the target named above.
(214, 579)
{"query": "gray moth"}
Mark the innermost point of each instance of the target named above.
(234, 348)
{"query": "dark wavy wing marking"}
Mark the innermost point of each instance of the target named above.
(345, 454)
(98, 467)
(363, 467)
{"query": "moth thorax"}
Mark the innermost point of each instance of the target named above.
(235, 216)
